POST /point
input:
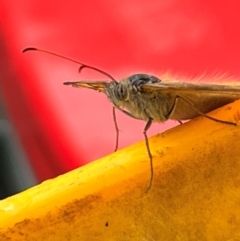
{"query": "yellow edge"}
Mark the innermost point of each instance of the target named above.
(195, 193)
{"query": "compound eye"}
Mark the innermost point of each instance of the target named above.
(120, 92)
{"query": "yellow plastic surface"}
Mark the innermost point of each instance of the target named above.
(195, 193)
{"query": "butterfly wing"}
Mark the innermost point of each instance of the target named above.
(204, 97)
(186, 87)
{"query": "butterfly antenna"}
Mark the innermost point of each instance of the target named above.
(82, 66)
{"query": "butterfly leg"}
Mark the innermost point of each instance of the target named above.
(179, 122)
(199, 112)
(116, 128)
(116, 125)
(147, 126)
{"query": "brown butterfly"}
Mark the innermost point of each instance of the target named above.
(146, 97)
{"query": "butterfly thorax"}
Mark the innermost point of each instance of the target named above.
(129, 96)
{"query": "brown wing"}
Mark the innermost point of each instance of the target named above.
(229, 91)
(192, 87)
(204, 97)
(96, 85)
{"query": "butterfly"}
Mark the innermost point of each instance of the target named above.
(151, 99)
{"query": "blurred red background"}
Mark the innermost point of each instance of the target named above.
(60, 127)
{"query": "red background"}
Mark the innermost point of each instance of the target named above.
(62, 127)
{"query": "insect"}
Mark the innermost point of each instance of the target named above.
(148, 98)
